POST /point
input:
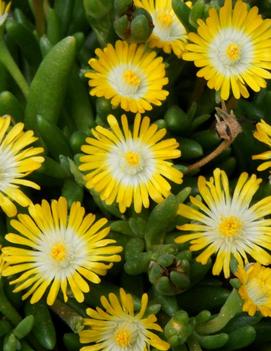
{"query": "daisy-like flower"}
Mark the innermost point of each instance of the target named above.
(117, 327)
(263, 134)
(129, 75)
(225, 224)
(17, 161)
(255, 289)
(4, 10)
(233, 49)
(58, 248)
(168, 33)
(3, 264)
(130, 166)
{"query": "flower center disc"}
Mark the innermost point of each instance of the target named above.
(123, 338)
(58, 252)
(131, 78)
(165, 19)
(233, 52)
(132, 163)
(132, 158)
(230, 226)
(256, 289)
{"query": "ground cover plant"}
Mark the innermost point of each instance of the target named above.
(135, 187)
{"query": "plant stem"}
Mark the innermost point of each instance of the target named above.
(227, 128)
(231, 307)
(39, 16)
(68, 315)
(11, 66)
(198, 90)
(221, 147)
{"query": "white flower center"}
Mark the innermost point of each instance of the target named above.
(131, 162)
(164, 19)
(8, 168)
(124, 334)
(128, 80)
(231, 52)
(131, 78)
(230, 226)
(60, 253)
(167, 26)
(124, 337)
(256, 290)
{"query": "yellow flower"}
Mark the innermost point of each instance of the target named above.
(233, 49)
(168, 33)
(117, 327)
(17, 161)
(225, 224)
(128, 75)
(4, 9)
(130, 166)
(255, 289)
(3, 264)
(263, 134)
(58, 247)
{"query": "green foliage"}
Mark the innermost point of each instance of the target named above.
(42, 84)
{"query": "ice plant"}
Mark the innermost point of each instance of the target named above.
(6, 58)
(225, 224)
(117, 327)
(255, 289)
(168, 33)
(55, 248)
(232, 48)
(129, 75)
(130, 166)
(263, 134)
(3, 264)
(4, 9)
(17, 160)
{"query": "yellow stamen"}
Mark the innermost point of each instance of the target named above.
(165, 19)
(58, 252)
(123, 338)
(230, 226)
(131, 78)
(132, 158)
(233, 52)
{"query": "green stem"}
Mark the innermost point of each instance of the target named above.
(198, 90)
(6, 308)
(174, 70)
(11, 66)
(231, 307)
(39, 16)
(69, 316)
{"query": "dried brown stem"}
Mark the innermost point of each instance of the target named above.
(221, 147)
(227, 128)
